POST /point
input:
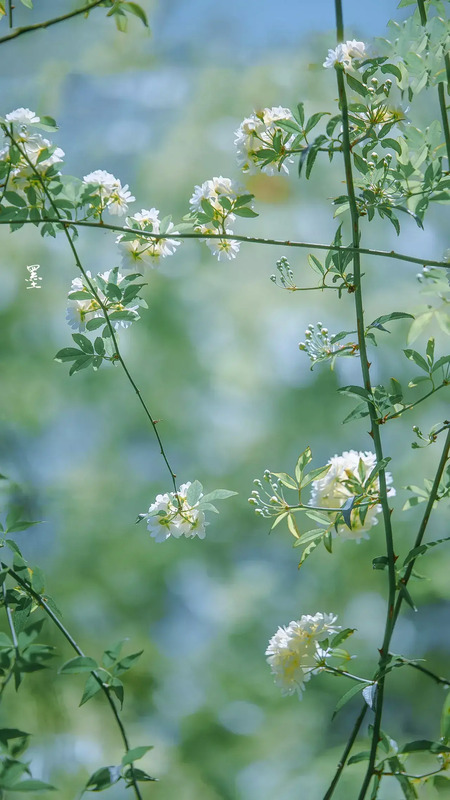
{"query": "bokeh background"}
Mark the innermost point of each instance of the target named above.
(217, 359)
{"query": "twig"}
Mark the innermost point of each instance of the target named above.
(47, 23)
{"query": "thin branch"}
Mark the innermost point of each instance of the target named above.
(343, 674)
(93, 289)
(432, 675)
(413, 405)
(423, 526)
(105, 689)
(346, 753)
(375, 430)
(444, 116)
(423, 262)
(47, 23)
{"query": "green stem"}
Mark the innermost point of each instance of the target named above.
(423, 526)
(432, 675)
(105, 689)
(10, 13)
(346, 753)
(12, 629)
(422, 12)
(342, 673)
(445, 125)
(423, 262)
(375, 431)
(47, 23)
(93, 289)
(413, 405)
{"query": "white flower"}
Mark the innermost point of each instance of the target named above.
(167, 517)
(143, 249)
(79, 312)
(256, 133)
(356, 49)
(332, 490)
(344, 53)
(22, 116)
(213, 191)
(224, 249)
(294, 651)
(118, 279)
(113, 195)
(33, 148)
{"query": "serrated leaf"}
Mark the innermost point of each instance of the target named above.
(308, 550)
(83, 342)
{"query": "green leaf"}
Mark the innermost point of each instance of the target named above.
(341, 637)
(31, 785)
(403, 591)
(132, 774)
(78, 664)
(346, 511)
(91, 688)
(68, 354)
(81, 363)
(418, 326)
(357, 86)
(95, 323)
(103, 778)
(217, 494)
(309, 549)
(127, 663)
(245, 212)
(13, 741)
(363, 756)
(292, 525)
(419, 360)
(314, 119)
(286, 480)
(422, 548)
(354, 690)
(379, 321)
(356, 391)
(15, 199)
(139, 12)
(380, 562)
(135, 754)
(83, 342)
(425, 745)
(314, 475)
(315, 264)
(303, 460)
(445, 720)
(193, 493)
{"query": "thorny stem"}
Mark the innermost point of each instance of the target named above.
(47, 23)
(375, 431)
(105, 689)
(93, 289)
(441, 89)
(10, 14)
(423, 262)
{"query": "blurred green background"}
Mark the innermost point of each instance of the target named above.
(217, 359)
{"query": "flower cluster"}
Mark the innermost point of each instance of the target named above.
(214, 205)
(104, 191)
(173, 515)
(320, 346)
(350, 475)
(258, 135)
(28, 155)
(137, 250)
(295, 652)
(116, 293)
(344, 53)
